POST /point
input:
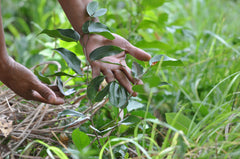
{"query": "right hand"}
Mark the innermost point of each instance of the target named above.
(24, 83)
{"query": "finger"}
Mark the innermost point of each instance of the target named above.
(37, 97)
(95, 72)
(127, 71)
(45, 94)
(123, 80)
(56, 90)
(108, 75)
(138, 53)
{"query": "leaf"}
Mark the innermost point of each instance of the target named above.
(41, 77)
(133, 105)
(118, 95)
(100, 12)
(85, 26)
(130, 120)
(92, 8)
(181, 121)
(71, 59)
(6, 126)
(60, 74)
(80, 139)
(68, 35)
(111, 63)
(152, 4)
(138, 88)
(71, 113)
(137, 70)
(80, 120)
(97, 27)
(152, 79)
(60, 87)
(102, 94)
(163, 84)
(166, 61)
(101, 29)
(141, 113)
(93, 87)
(108, 50)
(154, 46)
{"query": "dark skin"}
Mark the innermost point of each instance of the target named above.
(24, 83)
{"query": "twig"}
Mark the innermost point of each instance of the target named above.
(28, 157)
(60, 142)
(99, 143)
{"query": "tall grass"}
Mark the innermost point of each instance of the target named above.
(203, 96)
(207, 89)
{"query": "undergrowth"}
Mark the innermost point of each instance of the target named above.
(190, 111)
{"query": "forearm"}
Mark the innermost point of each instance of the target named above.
(76, 13)
(3, 50)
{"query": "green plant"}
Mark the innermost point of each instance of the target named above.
(180, 112)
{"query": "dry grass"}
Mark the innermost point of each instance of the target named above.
(33, 120)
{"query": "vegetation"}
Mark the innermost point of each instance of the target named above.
(188, 105)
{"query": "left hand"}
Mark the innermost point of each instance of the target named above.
(111, 71)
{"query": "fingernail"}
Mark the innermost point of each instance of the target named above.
(134, 94)
(50, 98)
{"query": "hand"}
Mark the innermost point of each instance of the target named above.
(24, 83)
(121, 73)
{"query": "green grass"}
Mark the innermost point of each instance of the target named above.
(197, 115)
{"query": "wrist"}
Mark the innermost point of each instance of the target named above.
(5, 64)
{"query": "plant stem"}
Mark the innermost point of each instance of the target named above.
(146, 113)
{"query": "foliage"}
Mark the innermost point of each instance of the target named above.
(180, 112)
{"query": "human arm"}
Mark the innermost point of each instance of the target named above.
(21, 80)
(75, 10)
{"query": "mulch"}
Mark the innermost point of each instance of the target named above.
(28, 120)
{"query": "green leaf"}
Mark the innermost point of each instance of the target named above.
(93, 87)
(111, 63)
(130, 120)
(60, 87)
(166, 61)
(154, 46)
(60, 74)
(41, 77)
(100, 12)
(141, 113)
(108, 50)
(68, 35)
(133, 105)
(85, 26)
(102, 94)
(152, 79)
(137, 70)
(118, 95)
(152, 4)
(79, 120)
(101, 29)
(181, 122)
(70, 112)
(80, 139)
(71, 59)
(92, 8)
(138, 88)
(163, 84)
(97, 27)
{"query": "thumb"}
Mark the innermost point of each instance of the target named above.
(45, 94)
(138, 53)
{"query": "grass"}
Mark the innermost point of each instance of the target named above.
(208, 86)
(198, 113)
